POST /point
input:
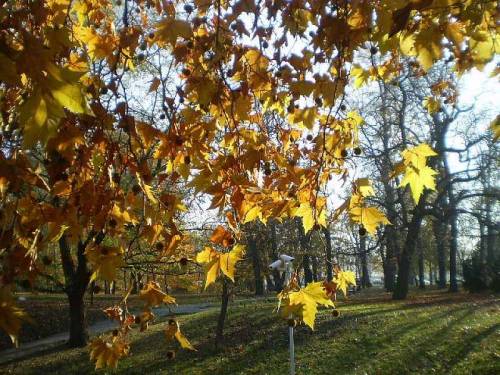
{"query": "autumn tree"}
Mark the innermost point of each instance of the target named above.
(107, 105)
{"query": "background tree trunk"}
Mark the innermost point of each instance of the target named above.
(328, 251)
(453, 250)
(256, 264)
(402, 283)
(365, 275)
(439, 239)
(304, 245)
(77, 278)
(421, 264)
(219, 334)
(278, 282)
(314, 267)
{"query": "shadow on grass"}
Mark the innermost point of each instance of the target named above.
(255, 337)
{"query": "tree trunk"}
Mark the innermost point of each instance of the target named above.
(390, 259)
(134, 282)
(78, 334)
(421, 264)
(270, 283)
(76, 278)
(278, 283)
(254, 254)
(308, 275)
(92, 290)
(365, 275)
(219, 335)
(402, 283)
(453, 250)
(482, 242)
(315, 267)
(328, 251)
(439, 237)
(304, 245)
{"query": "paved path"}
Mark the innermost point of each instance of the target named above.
(37, 346)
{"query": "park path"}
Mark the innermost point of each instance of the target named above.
(37, 346)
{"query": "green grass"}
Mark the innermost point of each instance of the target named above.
(431, 333)
(50, 311)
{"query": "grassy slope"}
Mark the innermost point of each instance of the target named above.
(433, 332)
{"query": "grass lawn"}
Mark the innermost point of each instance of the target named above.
(431, 333)
(50, 311)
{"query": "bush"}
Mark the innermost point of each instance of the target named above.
(479, 277)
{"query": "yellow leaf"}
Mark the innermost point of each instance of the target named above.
(216, 262)
(343, 279)
(228, 260)
(169, 29)
(417, 174)
(302, 87)
(11, 316)
(154, 296)
(33, 117)
(252, 214)
(417, 155)
(483, 47)
(364, 186)
(495, 128)
(360, 75)
(98, 46)
(306, 212)
(105, 261)
(107, 352)
(432, 104)
(369, 217)
(303, 304)
(147, 189)
(173, 330)
(418, 179)
(306, 117)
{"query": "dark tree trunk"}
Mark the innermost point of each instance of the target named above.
(135, 282)
(304, 240)
(453, 251)
(78, 334)
(365, 275)
(491, 235)
(308, 275)
(92, 290)
(482, 242)
(315, 267)
(402, 283)
(219, 334)
(278, 282)
(390, 259)
(440, 237)
(77, 278)
(328, 251)
(254, 254)
(421, 264)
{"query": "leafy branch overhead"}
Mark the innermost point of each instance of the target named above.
(116, 115)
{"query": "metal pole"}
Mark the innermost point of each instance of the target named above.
(290, 328)
(292, 351)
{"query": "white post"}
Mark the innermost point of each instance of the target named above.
(292, 351)
(288, 275)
